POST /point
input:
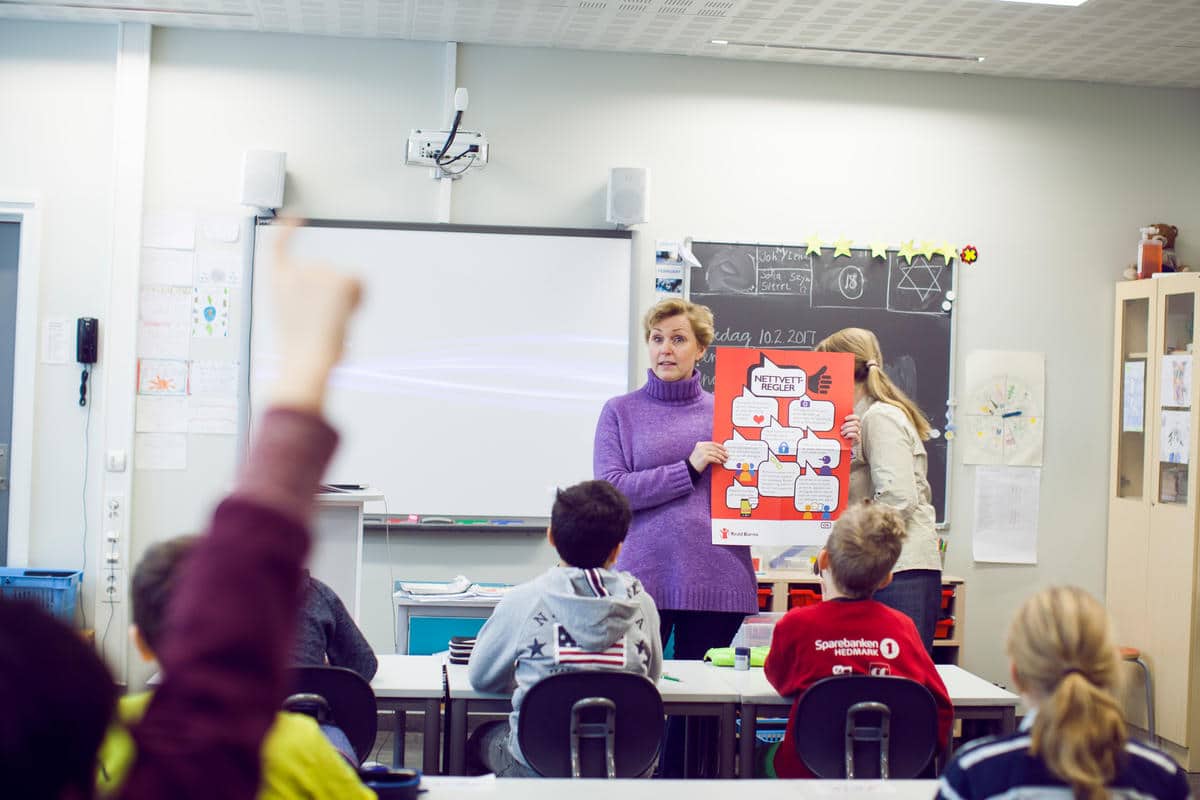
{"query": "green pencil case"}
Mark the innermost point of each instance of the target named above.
(723, 656)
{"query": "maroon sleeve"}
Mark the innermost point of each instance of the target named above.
(229, 624)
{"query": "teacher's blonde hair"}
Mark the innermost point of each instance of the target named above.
(868, 370)
(1064, 657)
(699, 317)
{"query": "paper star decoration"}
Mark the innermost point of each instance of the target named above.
(907, 251)
(948, 252)
(879, 250)
(842, 247)
(813, 245)
(928, 249)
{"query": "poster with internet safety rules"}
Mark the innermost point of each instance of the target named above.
(779, 415)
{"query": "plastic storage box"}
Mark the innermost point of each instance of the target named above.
(944, 627)
(947, 596)
(55, 590)
(799, 598)
(764, 598)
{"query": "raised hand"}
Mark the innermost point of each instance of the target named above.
(311, 304)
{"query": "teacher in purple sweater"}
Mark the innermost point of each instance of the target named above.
(653, 445)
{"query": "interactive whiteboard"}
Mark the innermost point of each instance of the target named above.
(477, 365)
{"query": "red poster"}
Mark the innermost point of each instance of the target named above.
(779, 414)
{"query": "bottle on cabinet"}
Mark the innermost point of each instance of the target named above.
(1150, 254)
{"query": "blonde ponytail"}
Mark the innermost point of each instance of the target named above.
(868, 370)
(1064, 657)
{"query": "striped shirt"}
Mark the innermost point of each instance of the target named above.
(1003, 767)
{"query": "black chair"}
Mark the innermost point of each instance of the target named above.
(867, 726)
(349, 702)
(591, 724)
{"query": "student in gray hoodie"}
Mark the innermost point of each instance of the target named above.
(580, 615)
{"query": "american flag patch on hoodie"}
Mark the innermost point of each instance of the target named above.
(567, 651)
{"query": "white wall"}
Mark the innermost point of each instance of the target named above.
(1051, 180)
(56, 145)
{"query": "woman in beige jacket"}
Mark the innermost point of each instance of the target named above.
(889, 467)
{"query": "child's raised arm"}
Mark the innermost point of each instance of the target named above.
(231, 619)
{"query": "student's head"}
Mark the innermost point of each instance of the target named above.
(1065, 662)
(868, 372)
(588, 523)
(863, 548)
(677, 333)
(58, 701)
(154, 581)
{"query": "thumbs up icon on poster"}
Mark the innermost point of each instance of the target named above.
(819, 382)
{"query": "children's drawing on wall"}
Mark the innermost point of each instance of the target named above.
(162, 376)
(779, 415)
(1176, 434)
(1002, 411)
(210, 313)
(1176, 381)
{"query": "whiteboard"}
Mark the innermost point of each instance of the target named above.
(477, 365)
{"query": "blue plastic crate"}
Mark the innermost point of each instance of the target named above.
(768, 730)
(55, 590)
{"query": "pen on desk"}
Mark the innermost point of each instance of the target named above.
(1010, 414)
(667, 677)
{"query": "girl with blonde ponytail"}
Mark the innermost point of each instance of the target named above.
(889, 466)
(1073, 742)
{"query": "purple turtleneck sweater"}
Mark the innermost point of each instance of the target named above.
(643, 440)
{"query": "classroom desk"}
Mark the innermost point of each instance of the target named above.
(972, 696)
(439, 787)
(701, 690)
(416, 682)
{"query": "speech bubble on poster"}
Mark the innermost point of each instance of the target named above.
(735, 494)
(753, 412)
(744, 451)
(816, 491)
(781, 439)
(778, 478)
(772, 380)
(813, 452)
(808, 413)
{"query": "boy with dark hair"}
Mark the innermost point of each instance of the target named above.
(58, 699)
(580, 614)
(849, 633)
(297, 759)
(326, 633)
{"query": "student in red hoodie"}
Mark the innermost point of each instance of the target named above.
(849, 633)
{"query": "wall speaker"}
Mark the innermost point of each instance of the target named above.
(627, 191)
(263, 173)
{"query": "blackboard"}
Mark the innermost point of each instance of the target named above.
(786, 297)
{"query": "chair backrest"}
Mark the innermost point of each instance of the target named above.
(591, 724)
(866, 726)
(349, 697)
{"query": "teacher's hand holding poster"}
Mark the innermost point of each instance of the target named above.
(779, 415)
